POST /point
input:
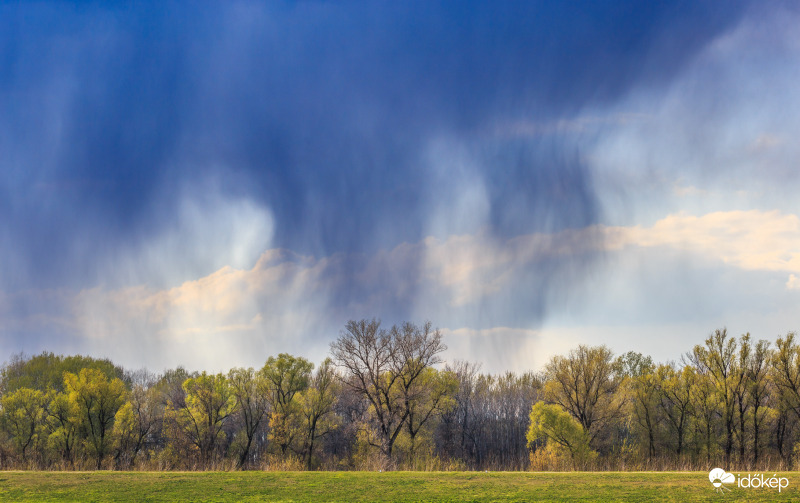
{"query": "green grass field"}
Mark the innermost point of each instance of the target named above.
(18, 486)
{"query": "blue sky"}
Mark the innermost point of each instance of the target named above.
(210, 184)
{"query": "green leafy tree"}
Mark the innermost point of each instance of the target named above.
(134, 422)
(46, 371)
(786, 371)
(642, 384)
(551, 423)
(584, 384)
(62, 421)
(785, 375)
(676, 400)
(97, 399)
(207, 405)
(717, 359)
(706, 404)
(286, 376)
(316, 408)
(124, 435)
(21, 415)
(741, 382)
(759, 390)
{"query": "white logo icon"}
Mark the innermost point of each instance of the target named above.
(718, 477)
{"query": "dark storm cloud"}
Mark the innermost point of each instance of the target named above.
(321, 112)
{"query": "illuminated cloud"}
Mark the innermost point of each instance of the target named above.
(751, 240)
(231, 317)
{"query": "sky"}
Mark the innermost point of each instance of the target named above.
(209, 184)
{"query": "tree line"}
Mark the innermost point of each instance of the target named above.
(385, 399)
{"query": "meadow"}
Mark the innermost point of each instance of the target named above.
(24, 486)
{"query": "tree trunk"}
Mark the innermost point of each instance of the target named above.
(308, 453)
(243, 457)
(741, 434)
(728, 438)
(755, 435)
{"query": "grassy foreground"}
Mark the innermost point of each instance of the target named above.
(19, 486)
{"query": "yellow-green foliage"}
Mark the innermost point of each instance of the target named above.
(97, 400)
(46, 371)
(124, 429)
(286, 376)
(250, 390)
(551, 457)
(207, 405)
(559, 430)
(22, 413)
(583, 383)
(315, 406)
(62, 424)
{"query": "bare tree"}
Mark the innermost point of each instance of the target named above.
(383, 366)
(457, 422)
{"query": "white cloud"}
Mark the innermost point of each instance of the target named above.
(793, 283)
(751, 240)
